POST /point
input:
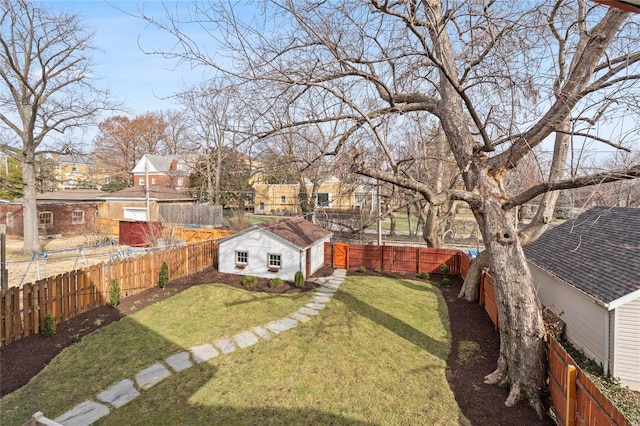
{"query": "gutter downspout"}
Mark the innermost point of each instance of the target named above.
(606, 340)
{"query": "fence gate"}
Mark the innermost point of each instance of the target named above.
(341, 255)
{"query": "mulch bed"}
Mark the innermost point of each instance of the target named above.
(480, 403)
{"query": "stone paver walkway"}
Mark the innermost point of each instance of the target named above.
(127, 390)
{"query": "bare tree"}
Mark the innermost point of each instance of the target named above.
(488, 72)
(213, 111)
(47, 88)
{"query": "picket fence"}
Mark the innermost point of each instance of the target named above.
(23, 309)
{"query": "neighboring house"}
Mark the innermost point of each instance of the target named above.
(168, 171)
(61, 212)
(587, 270)
(274, 249)
(285, 198)
(78, 171)
(135, 204)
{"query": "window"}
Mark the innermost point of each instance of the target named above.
(141, 181)
(275, 261)
(10, 220)
(180, 182)
(153, 181)
(45, 218)
(77, 217)
(242, 257)
(323, 200)
(261, 206)
(283, 199)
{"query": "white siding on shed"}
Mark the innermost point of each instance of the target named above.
(627, 341)
(259, 245)
(584, 319)
(316, 252)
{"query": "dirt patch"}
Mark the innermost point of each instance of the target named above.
(475, 345)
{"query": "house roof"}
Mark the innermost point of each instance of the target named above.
(156, 193)
(158, 163)
(598, 252)
(295, 230)
(72, 195)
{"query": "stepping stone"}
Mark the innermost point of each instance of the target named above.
(245, 339)
(262, 332)
(152, 375)
(308, 311)
(281, 325)
(179, 362)
(83, 414)
(329, 295)
(326, 290)
(332, 285)
(320, 299)
(120, 393)
(315, 306)
(204, 353)
(225, 345)
(300, 317)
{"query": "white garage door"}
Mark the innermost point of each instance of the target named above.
(135, 213)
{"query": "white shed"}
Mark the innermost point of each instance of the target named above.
(588, 271)
(274, 249)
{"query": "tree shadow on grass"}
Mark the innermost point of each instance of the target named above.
(175, 407)
(393, 324)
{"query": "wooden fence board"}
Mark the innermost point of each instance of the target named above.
(22, 310)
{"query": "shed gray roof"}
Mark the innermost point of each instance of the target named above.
(598, 252)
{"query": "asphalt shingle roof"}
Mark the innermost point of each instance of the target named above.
(155, 192)
(598, 252)
(296, 230)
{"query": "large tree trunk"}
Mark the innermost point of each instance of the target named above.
(31, 242)
(431, 228)
(471, 287)
(522, 348)
(541, 221)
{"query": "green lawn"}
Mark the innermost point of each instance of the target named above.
(375, 355)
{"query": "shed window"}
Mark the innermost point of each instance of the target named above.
(283, 199)
(77, 217)
(141, 181)
(45, 218)
(242, 257)
(10, 220)
(275, 261)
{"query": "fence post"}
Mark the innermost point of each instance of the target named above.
(570, 413)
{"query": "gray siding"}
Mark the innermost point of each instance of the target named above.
(584, 319)
(627, 350)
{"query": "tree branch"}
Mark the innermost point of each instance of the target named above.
(589, 180)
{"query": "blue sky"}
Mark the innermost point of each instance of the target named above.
(140, 81)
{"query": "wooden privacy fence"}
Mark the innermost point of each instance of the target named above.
(200, 234)
(391, 258)
(23, 309)
(575, 399)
